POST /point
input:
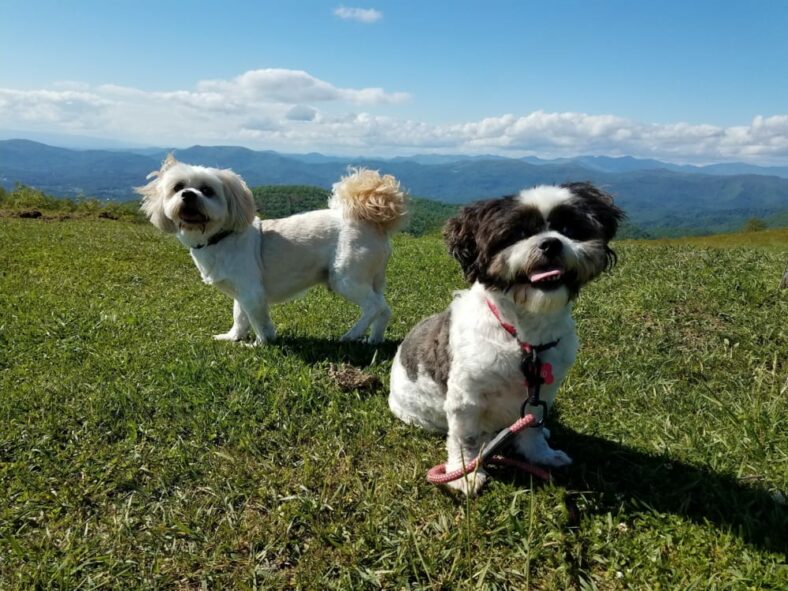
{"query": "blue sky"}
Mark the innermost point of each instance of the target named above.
(683, 81)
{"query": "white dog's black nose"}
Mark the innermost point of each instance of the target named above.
(189, 196)
(551, 246)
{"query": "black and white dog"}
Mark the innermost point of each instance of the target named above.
(526, 256)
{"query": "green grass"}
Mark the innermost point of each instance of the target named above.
(135, 452)
(776, 238)
(26, 200)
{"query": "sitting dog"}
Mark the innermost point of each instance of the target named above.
(461, 372)
(261, 262)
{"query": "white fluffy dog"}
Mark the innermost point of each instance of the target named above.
(261, 262)
(461, 372)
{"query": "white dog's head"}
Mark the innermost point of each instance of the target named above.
(195, 201)
(540, 246)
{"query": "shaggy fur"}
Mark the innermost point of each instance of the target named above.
(365, 195)
(529, 254)
(261, 262)
(429, 349)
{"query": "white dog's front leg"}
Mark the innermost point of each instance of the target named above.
(532, 444)
(464, 442)
(256, 311)
(240, 327)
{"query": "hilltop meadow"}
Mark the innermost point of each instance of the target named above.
(138, 453)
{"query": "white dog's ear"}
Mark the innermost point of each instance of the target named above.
(240, 203)
(153, 198)
(168, 163)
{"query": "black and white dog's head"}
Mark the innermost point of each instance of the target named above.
(540, 246)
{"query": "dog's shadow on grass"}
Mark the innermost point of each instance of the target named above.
(613, 476)
(314, 350)
(622, 478)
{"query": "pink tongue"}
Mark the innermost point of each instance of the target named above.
(552, 273)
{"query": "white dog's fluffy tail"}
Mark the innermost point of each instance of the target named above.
(367, 196)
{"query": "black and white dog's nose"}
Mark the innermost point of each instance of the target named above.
(551, 246)
(189, 196)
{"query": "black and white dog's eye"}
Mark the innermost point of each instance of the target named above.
(207, 191)
(177, 187)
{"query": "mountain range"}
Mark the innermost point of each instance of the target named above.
(657, 196)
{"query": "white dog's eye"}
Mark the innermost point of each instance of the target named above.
(177, 187)
(207, 191)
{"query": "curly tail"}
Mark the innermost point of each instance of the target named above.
(366, 196)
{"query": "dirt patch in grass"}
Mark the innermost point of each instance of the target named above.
(347, 378)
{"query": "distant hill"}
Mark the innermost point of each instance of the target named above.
(64, 172)
(660, 198)
(630, 164)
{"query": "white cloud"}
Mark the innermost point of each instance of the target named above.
(292, 110)
(362, 15)
(301, 113)
(295, 86)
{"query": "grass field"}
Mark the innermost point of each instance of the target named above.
(136, 452)
(776, 238)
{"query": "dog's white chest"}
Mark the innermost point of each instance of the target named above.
(496, 363)
(208, 266)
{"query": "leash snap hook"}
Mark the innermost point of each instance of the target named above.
(535, 403)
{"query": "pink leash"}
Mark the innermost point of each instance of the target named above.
(536, 373)
(438, 474)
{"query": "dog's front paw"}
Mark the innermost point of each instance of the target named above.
(551, 457)
(534, 447)
(228, 336)
(470, 484)
(350, 337)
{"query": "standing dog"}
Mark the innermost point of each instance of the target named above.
(261, 262)
(527, 256)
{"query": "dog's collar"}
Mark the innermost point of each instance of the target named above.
(535, 371)
(526, 347)
(216, 238)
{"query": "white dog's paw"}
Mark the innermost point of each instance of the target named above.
(228, 336)
(551, 457)
(533, 445)
(351, 337)
(470, 484)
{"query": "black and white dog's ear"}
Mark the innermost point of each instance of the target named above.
(599, 205)
(461, 234)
